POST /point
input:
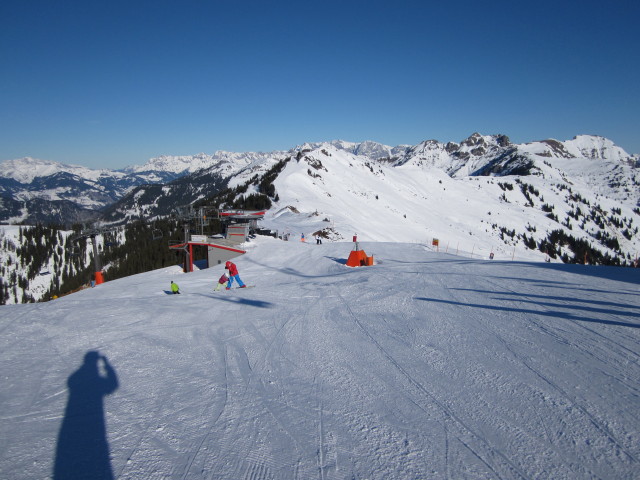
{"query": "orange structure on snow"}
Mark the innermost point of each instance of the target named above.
(358, 258)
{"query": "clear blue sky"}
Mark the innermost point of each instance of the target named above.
(112, 83)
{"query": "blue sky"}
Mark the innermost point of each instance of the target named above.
(114, 83)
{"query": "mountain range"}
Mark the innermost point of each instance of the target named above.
(489, 193)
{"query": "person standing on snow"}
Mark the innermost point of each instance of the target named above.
(233, 275)
(174, 287)
(223, 279)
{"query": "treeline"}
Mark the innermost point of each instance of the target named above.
(558, 242)
(41, 250)
(68, 256)
(145, 247)
(8, 274)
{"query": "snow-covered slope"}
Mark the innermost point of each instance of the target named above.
(331, 190)
(422, 366)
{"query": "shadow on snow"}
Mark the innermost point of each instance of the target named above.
(523, 296)
(556, 314)
(82, 450)
(242, 301)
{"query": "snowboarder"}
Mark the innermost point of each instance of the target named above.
(233, 275)
(302, 237)
(174, 287)
(223, 279)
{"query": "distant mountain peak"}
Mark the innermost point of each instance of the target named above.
(25, 170)
(591, 158)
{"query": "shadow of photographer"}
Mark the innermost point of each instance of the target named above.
(82, 450)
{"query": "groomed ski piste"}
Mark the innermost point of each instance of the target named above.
(422, 366)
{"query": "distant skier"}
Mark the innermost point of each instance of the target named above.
(223, 279)
(302, 237)
(318, 240)
(174, 287)
(233, 275)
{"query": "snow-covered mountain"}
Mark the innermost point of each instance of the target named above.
(484, 193)
(425, 365)
(38, 190)
(27, 179)
(224, 163)
(26, 170)
(368, 149)
(576, 200)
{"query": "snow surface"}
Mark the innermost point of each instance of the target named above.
(425, 365)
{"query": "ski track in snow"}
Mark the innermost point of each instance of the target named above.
(422, 366)
(449, 415)
(557, 388)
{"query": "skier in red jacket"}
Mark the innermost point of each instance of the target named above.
(233, 275)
